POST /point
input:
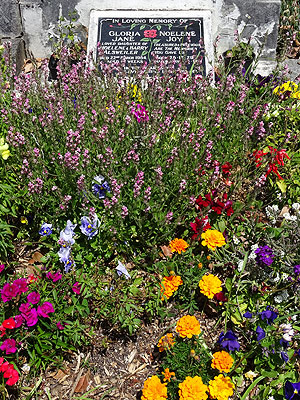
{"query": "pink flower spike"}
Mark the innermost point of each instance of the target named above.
(76, 288)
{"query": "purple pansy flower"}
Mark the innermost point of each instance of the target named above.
(292, 390)
(101, 187)
(269, 315)
(247, 314)
(46, 229)
(89, 227)
(64, 253)
(9, 346)
(121, 270)
(229, 341)
(297, 270)
(284, 356)
(260, 333)
(264, 256)
(68, 264)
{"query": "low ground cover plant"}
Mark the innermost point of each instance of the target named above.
(147, 200)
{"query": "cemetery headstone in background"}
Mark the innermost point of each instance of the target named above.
(137, 36)
(33, 21)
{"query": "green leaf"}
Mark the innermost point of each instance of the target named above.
(282, 186)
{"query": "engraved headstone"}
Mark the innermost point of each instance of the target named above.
(140, 36)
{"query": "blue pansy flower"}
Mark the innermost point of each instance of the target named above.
(260, 333)
(46, 229)
(101, 187)
(292, 390)
(68, 264)
(89, 227)
(284, 356)
(67, 234)
(268, 315)
(229, 341)
(121, 270)
(64, 253)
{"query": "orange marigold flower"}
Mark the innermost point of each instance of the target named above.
(168, 375)
(210, 285)
(222, 361)
(188, 326)
(153, 389)
(221, 387)
(169, 285)
(166, 342)
(193, 389)
(178, 245)
(212, 239)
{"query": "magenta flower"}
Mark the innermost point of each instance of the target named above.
(45, 309)
(21, 284)
(18, 320)
(33, 298)
(9, 346)
(25, 308)
(139, 112)
(60, 326)
(76, 288)
(9, 291)
(31, 317)
(2, 266)
(55, 277)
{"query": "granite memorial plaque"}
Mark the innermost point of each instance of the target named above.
(137, 38)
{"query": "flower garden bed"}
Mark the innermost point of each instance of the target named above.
(159, 222)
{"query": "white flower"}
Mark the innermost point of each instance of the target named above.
(235, 240)
(288, 217)
(296, 207)
(288, 331)
(240, 265)
(281, 297)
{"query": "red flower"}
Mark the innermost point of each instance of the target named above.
(273, 168)
(226, 168)
(150, 33)
(258, 155)
(10, 373)
(204, 202)
(218, 207)
(9, 323)
(199, 226)
(2, 330)
(220, 297)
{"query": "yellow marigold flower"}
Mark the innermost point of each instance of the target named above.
(178, 245)
(193, 389)
(221, 387)
(222, 361)
(166, 342)
(188, 326)
(168, 375)
(212, 239)
(210, 285)
(169, 285)
(153, 389)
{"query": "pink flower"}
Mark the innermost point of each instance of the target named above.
(9, 346)
(60, 326)
(19, 320)
(2, 266)
(9, 291)
(31, 317)
(76, 288)
(33, 298)
(150, 33)
(21, 284)
(55, 277)
(45, 309)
